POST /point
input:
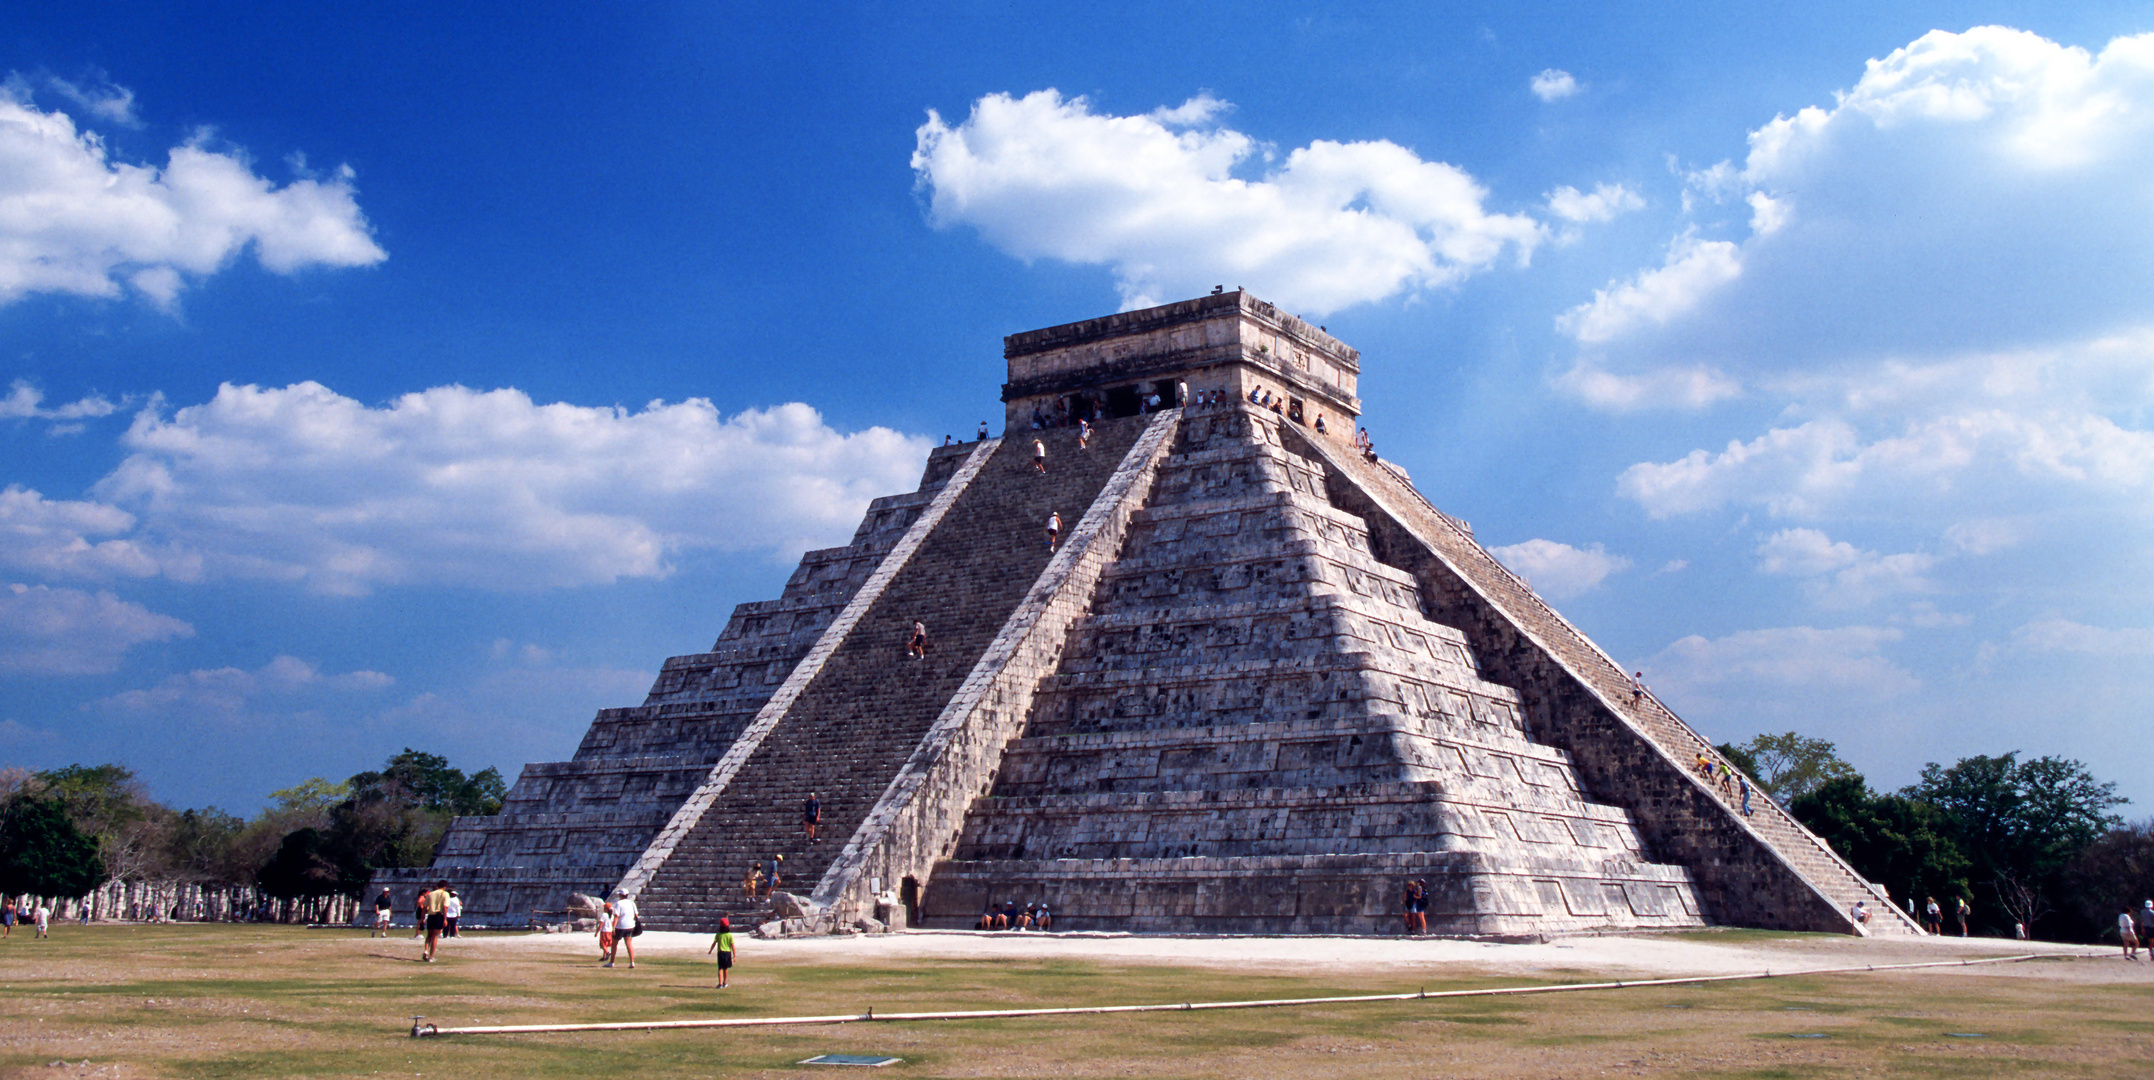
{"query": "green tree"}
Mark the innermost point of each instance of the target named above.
(1898, 842)
(42, 852)
(311, 863)
(337, 835)
(2021, 824)
(2032, 818)
(2114, 872)
(200, 847)
(1789, 766)
(426, 781)
(309, 800)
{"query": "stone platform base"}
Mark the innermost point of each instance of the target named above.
(1321, 894)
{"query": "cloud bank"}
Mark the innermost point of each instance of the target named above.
(1557, 570)
(1969, 191)
(453, 486)
(1157, 199)
(59, 631)
(75, 220)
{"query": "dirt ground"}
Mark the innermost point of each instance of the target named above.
(220, 1001)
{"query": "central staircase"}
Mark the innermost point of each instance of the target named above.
(861, 714)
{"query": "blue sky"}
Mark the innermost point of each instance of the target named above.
(424, 377)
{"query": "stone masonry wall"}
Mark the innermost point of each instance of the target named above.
(1743, 878)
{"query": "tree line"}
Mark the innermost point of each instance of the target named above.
(2033, 842)
(92, 835)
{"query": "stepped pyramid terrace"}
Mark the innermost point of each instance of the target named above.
(1260, 684)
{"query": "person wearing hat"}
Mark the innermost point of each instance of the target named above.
(722, 947)
(626, 924)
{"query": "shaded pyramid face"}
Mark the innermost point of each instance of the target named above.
(1256, 729)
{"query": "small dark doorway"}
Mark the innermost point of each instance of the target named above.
(1122, 401)
(909, 895)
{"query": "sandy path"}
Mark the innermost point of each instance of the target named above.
(1641, 957)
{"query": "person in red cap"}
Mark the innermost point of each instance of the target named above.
(722, 946)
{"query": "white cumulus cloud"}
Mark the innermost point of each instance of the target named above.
(2067, 636)
(234, 696)
(67, 538)
(1660, 388)
(1693, 269)
(487, 489)
(1157, 199)
(57, 631)
(1848, 659)
(1603, 203)
(1839, 573)
(1950, 464)
(1968, 190)
(75, 220)
(1553, 84)
(1558, 570)
(27, 402)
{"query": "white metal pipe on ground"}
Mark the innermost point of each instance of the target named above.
(419, 1030)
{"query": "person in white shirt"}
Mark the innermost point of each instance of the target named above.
(2127, 934)
(455, 911)
(44, 919)
(626, 924)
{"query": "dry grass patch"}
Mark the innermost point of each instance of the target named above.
(222, 1001)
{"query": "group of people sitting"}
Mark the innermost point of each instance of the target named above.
(1011, 917)
(1362, 442)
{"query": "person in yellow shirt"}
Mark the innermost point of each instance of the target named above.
(435, 905)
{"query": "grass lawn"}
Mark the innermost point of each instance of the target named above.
(224, 1001)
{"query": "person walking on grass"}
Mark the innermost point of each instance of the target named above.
(607, 923)
(1966, 911)
(44, 919)
(627, 924)
(383, 908)
(435, 905)
(455, 912)
(2126, 935)
(722, 948)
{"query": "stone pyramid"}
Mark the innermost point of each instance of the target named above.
(1258, 686)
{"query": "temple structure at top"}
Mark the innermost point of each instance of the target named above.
(1257, 683)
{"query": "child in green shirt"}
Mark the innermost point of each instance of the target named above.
(722, 945)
